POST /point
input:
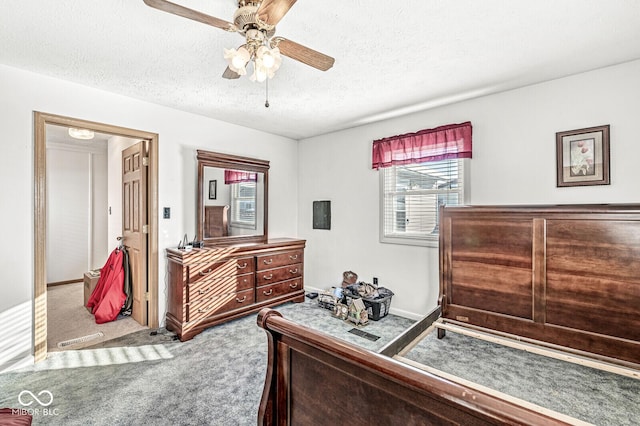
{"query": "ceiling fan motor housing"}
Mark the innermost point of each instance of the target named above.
(245, 18)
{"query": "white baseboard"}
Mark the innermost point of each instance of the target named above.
(312, 289)
(405, 314)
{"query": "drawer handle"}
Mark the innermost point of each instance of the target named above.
(293, 271)
(241, 300)
(294, 257)
(293, 285)
(203, 310)
(203, 273)
(268, 293)
(267, 262)
(267, 277)
(244, 265)
(204, 291)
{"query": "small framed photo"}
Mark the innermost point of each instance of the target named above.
(582, 157)
(213, 189)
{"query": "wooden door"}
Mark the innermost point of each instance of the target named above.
(134, 224)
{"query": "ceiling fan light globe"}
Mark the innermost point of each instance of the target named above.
(275, 52)
(237, 60)
(268, 61)
(259, 73)
(244, 53)
(270, 58)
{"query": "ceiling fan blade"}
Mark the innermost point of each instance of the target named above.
(303, 54)
(272, 11)
(231, 75)
(176, 9)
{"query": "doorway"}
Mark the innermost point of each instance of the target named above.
(41, 120)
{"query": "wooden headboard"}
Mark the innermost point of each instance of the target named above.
(564, 275)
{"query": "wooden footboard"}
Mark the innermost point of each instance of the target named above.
(315, 379)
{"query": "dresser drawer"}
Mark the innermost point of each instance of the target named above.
(206, 287)
(278, 289)
(217, 269)
(268, 261)
(278, 274)
(217, 304)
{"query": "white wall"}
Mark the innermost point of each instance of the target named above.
(513, 163)
(180, 134)
(223, 192)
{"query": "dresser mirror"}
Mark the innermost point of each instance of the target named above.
(232, 198)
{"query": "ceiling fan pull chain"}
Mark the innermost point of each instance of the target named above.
(266, 102)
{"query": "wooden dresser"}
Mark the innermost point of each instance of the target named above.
(215, 284)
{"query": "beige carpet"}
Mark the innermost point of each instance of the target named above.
(68, 319)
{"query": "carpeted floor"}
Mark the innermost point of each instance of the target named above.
(217, 378)
(588, 394)
(140, 379)
(68, 319)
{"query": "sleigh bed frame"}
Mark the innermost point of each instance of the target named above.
(563, 278)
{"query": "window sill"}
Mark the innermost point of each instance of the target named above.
(423, 242)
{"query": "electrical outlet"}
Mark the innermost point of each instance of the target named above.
(375, 280)
(166, 213)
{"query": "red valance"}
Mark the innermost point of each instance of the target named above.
(441, 143)
(237, 176)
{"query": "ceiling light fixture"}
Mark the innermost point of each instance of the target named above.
(256, 20)
(259, 51)
(80, 133)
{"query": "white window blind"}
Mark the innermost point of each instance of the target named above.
(411, 196)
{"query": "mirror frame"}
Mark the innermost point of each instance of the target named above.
(228, 161)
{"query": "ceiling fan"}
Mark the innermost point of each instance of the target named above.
(256, 21)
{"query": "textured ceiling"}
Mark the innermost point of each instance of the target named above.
(391, 57)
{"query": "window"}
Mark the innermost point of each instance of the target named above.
(243, 205)
(411, 196)
(419, 172)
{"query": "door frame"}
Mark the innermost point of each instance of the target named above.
(40, 219)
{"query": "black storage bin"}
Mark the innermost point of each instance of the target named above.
(377, 308)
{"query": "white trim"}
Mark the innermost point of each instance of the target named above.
(422, 242)
(405, 314)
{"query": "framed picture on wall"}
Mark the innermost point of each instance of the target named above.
(582, 157)
(213, 189)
